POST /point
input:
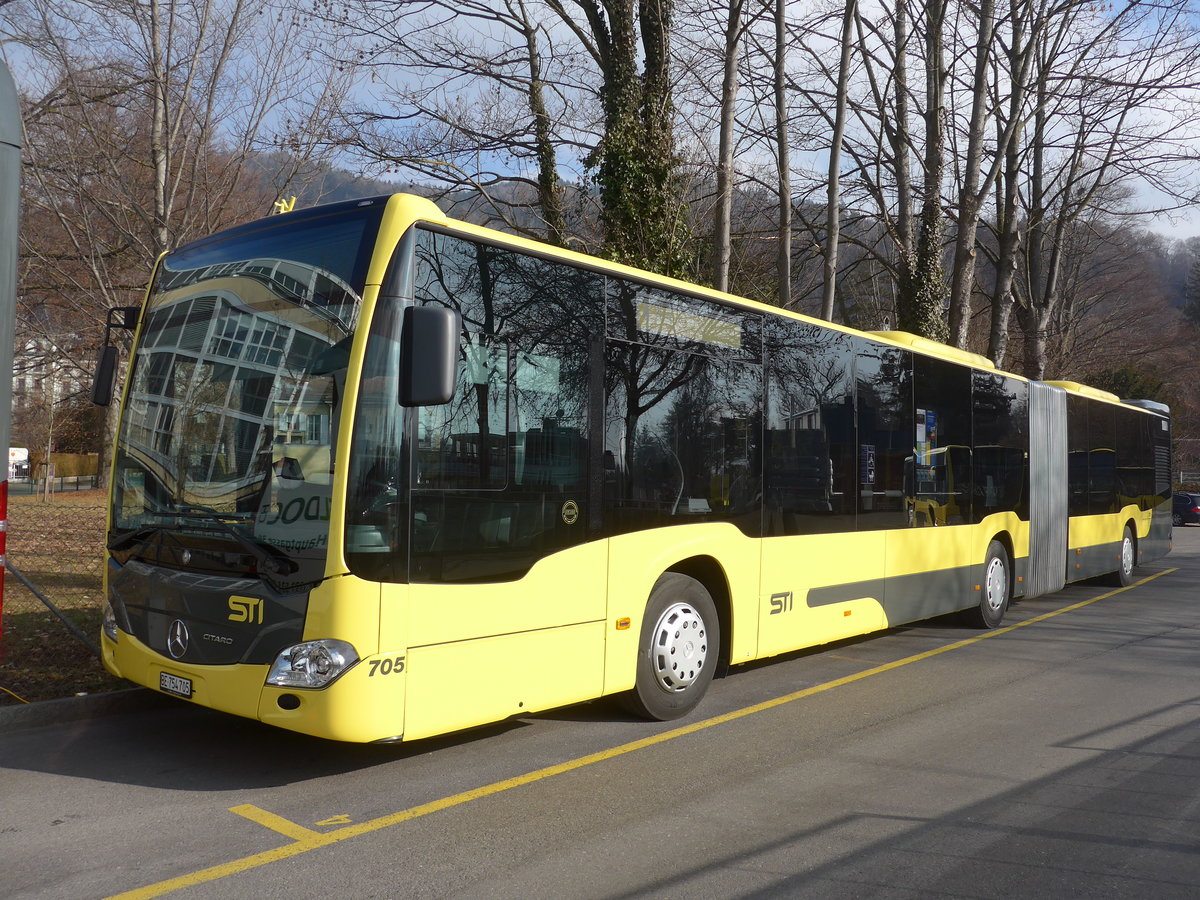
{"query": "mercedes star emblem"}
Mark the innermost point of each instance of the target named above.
(177, 639)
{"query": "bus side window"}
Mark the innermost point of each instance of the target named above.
(1000, 408)
(682, 432)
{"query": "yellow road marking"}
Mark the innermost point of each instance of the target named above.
(275, 823)
(307, 840)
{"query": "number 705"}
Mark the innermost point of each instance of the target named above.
(386, 666)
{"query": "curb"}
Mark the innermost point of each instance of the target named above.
(77, 709)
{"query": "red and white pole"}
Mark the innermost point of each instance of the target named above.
(10, 184)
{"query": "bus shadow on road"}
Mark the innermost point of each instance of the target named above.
(191, 748)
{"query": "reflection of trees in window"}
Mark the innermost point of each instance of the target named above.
(885, 384)
(685, 444)
(666, 342)
(811, 363)
(637, 380)
(810, 459)
(513, 443)
(500, 292)
(537, 306)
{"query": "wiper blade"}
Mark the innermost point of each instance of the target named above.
(141, 533)
(193, 511)
(272, 558)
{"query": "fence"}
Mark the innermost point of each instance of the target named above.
(22, 486)
(59, 546)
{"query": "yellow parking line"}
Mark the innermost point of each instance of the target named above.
(307, 840)
(274, 822)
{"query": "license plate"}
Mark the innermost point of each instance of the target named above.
(173, 684)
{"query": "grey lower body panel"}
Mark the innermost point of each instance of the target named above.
(1088, 562)
(909, 598)
(1157, 543)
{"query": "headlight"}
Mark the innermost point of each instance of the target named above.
(109, 624)
(313, 664)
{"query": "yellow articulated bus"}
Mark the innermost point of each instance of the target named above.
(381, 474)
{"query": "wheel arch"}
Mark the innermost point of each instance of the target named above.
(710, 573)
(1006, 540)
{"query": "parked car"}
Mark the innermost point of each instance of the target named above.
(1185, 509)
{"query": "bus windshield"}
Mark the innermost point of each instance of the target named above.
(229, 433)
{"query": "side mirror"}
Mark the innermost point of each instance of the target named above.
(105, 377)
(125, 318)
(429, 355)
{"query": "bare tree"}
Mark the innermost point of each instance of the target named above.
(782, 156)
(833, 203)
(143, 125)
(972, 193)
(1114, 107)
(722, 245)
(472, 98)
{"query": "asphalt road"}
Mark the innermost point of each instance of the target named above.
(1057, 758)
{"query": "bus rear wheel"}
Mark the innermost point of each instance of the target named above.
(677, 651)
(1123, 577)
(995, 590)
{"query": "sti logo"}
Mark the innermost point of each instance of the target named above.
(246, 609)
(781, 603)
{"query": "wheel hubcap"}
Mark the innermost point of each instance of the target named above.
(679, 649)
(996, 584)
(1127, 556)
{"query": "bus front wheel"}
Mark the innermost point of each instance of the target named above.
(677, 651)
(995, 590)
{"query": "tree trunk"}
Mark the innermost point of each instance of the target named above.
(1009, 240)
(158, 130)
(636, 163)
(900, 141)
(549, 196)
(1035, 325)
(970, 196)
(833, 201)
(1008, 223)
(923, 292)
(722, 241)
(783, 256)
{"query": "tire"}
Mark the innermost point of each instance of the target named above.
(996, 590)
(677, 650)
(1123, 577)
(1177, 520)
